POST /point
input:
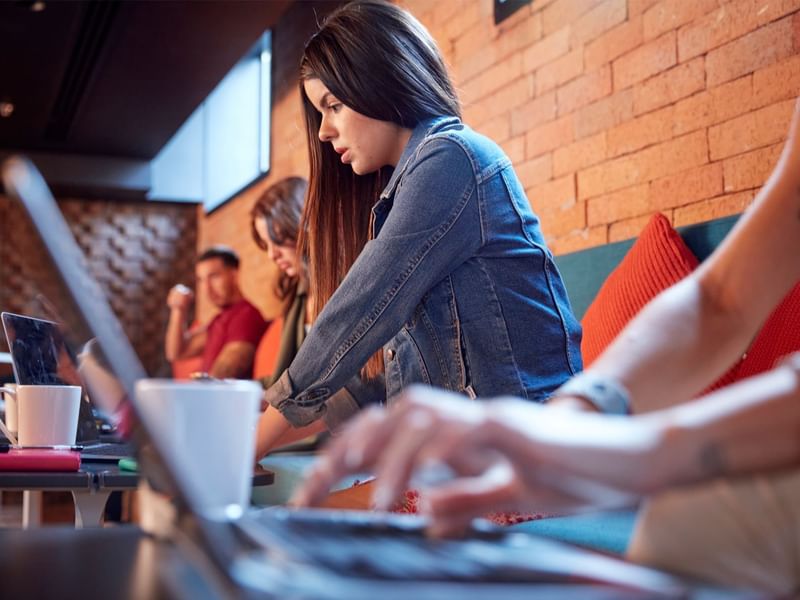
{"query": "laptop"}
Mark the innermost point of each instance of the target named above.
(325, 554)
(41, 355)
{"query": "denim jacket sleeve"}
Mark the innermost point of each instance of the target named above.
(432, 228)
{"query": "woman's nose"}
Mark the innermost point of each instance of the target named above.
(326, 131)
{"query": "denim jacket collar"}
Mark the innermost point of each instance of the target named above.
(422, 130)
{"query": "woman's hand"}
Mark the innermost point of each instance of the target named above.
(469, 458)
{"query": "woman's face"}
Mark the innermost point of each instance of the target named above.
(363, 143)
(285, 256)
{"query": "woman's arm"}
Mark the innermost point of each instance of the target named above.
(433, 227)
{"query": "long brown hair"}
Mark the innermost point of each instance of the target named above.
(381, 62)
(281, 207)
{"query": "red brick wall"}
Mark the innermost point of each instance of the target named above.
(609, 109)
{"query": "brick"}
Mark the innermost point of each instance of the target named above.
(753, 130)
(546, 50)
(597, 21)
(732, 99)
(473, 42)
(732, 20)
(645, 61)
(715, 106)
(614, 43)
(502, 101)
(555, 196)
(579, 240)
(559, 71)
(515, 149)
(637, 7)
(750, 171)
(686, 187)
(494, 78)
(639, 133)
(670, 86)
(754, 51)
(498, 129)
(563, 222)
(536, 171)
(463, 19)
(537, 111)
(777, 82)
(548, 137)
(715, 208)
(797, 32)
(564, 12)
(629, 228)
(667, 158)
(604, 114)
(623, 204)
(446, 11)
(579, 155)
(468, 67)
(584, 90)
(671, 14)
(520, 36)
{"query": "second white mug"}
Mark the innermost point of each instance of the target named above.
(47, 415)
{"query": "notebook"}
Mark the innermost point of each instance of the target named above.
(322, 553)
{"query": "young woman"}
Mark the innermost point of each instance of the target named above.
(422, 246)
(722, 472)
(274, 223)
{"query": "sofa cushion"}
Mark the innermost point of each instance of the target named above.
(779, 336)
(658, 259)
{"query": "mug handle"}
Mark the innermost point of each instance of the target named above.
(11, 437)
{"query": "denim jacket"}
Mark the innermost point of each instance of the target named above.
(457, 285)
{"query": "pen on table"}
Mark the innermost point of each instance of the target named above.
(62, 447)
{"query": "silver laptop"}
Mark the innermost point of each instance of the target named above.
(284, 553)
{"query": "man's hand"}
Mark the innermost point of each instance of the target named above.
(180, 298)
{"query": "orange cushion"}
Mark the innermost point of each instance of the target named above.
(267, 351)
(182, 368)
(779, 336)
(657, 260)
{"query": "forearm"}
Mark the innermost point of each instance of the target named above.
(748, 427)
(175, 339)
(678, 345)
(272, 426)
(234, 361)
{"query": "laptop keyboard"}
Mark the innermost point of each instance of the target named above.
(394, 547)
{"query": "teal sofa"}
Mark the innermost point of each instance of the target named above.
(583, 273)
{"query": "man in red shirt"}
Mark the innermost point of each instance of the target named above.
(228, 343)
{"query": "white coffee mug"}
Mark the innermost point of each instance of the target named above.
(207, 431)
(9, 391)
(47, 415)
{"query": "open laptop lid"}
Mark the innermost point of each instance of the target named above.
(41, 356)
(24, 183)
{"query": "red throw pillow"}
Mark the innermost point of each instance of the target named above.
(657, 260)
(779, 336)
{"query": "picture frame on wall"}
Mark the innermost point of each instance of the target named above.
(505, 8)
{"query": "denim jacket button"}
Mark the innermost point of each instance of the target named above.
(390, 354)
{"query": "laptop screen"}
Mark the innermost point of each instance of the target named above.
(41, 355)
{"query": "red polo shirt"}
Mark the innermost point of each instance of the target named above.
(239, 322)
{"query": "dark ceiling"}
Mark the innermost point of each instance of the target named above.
(109, 78)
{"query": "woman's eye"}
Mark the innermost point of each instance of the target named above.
(335, 108)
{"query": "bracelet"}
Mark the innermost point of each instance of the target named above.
(607, 395)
